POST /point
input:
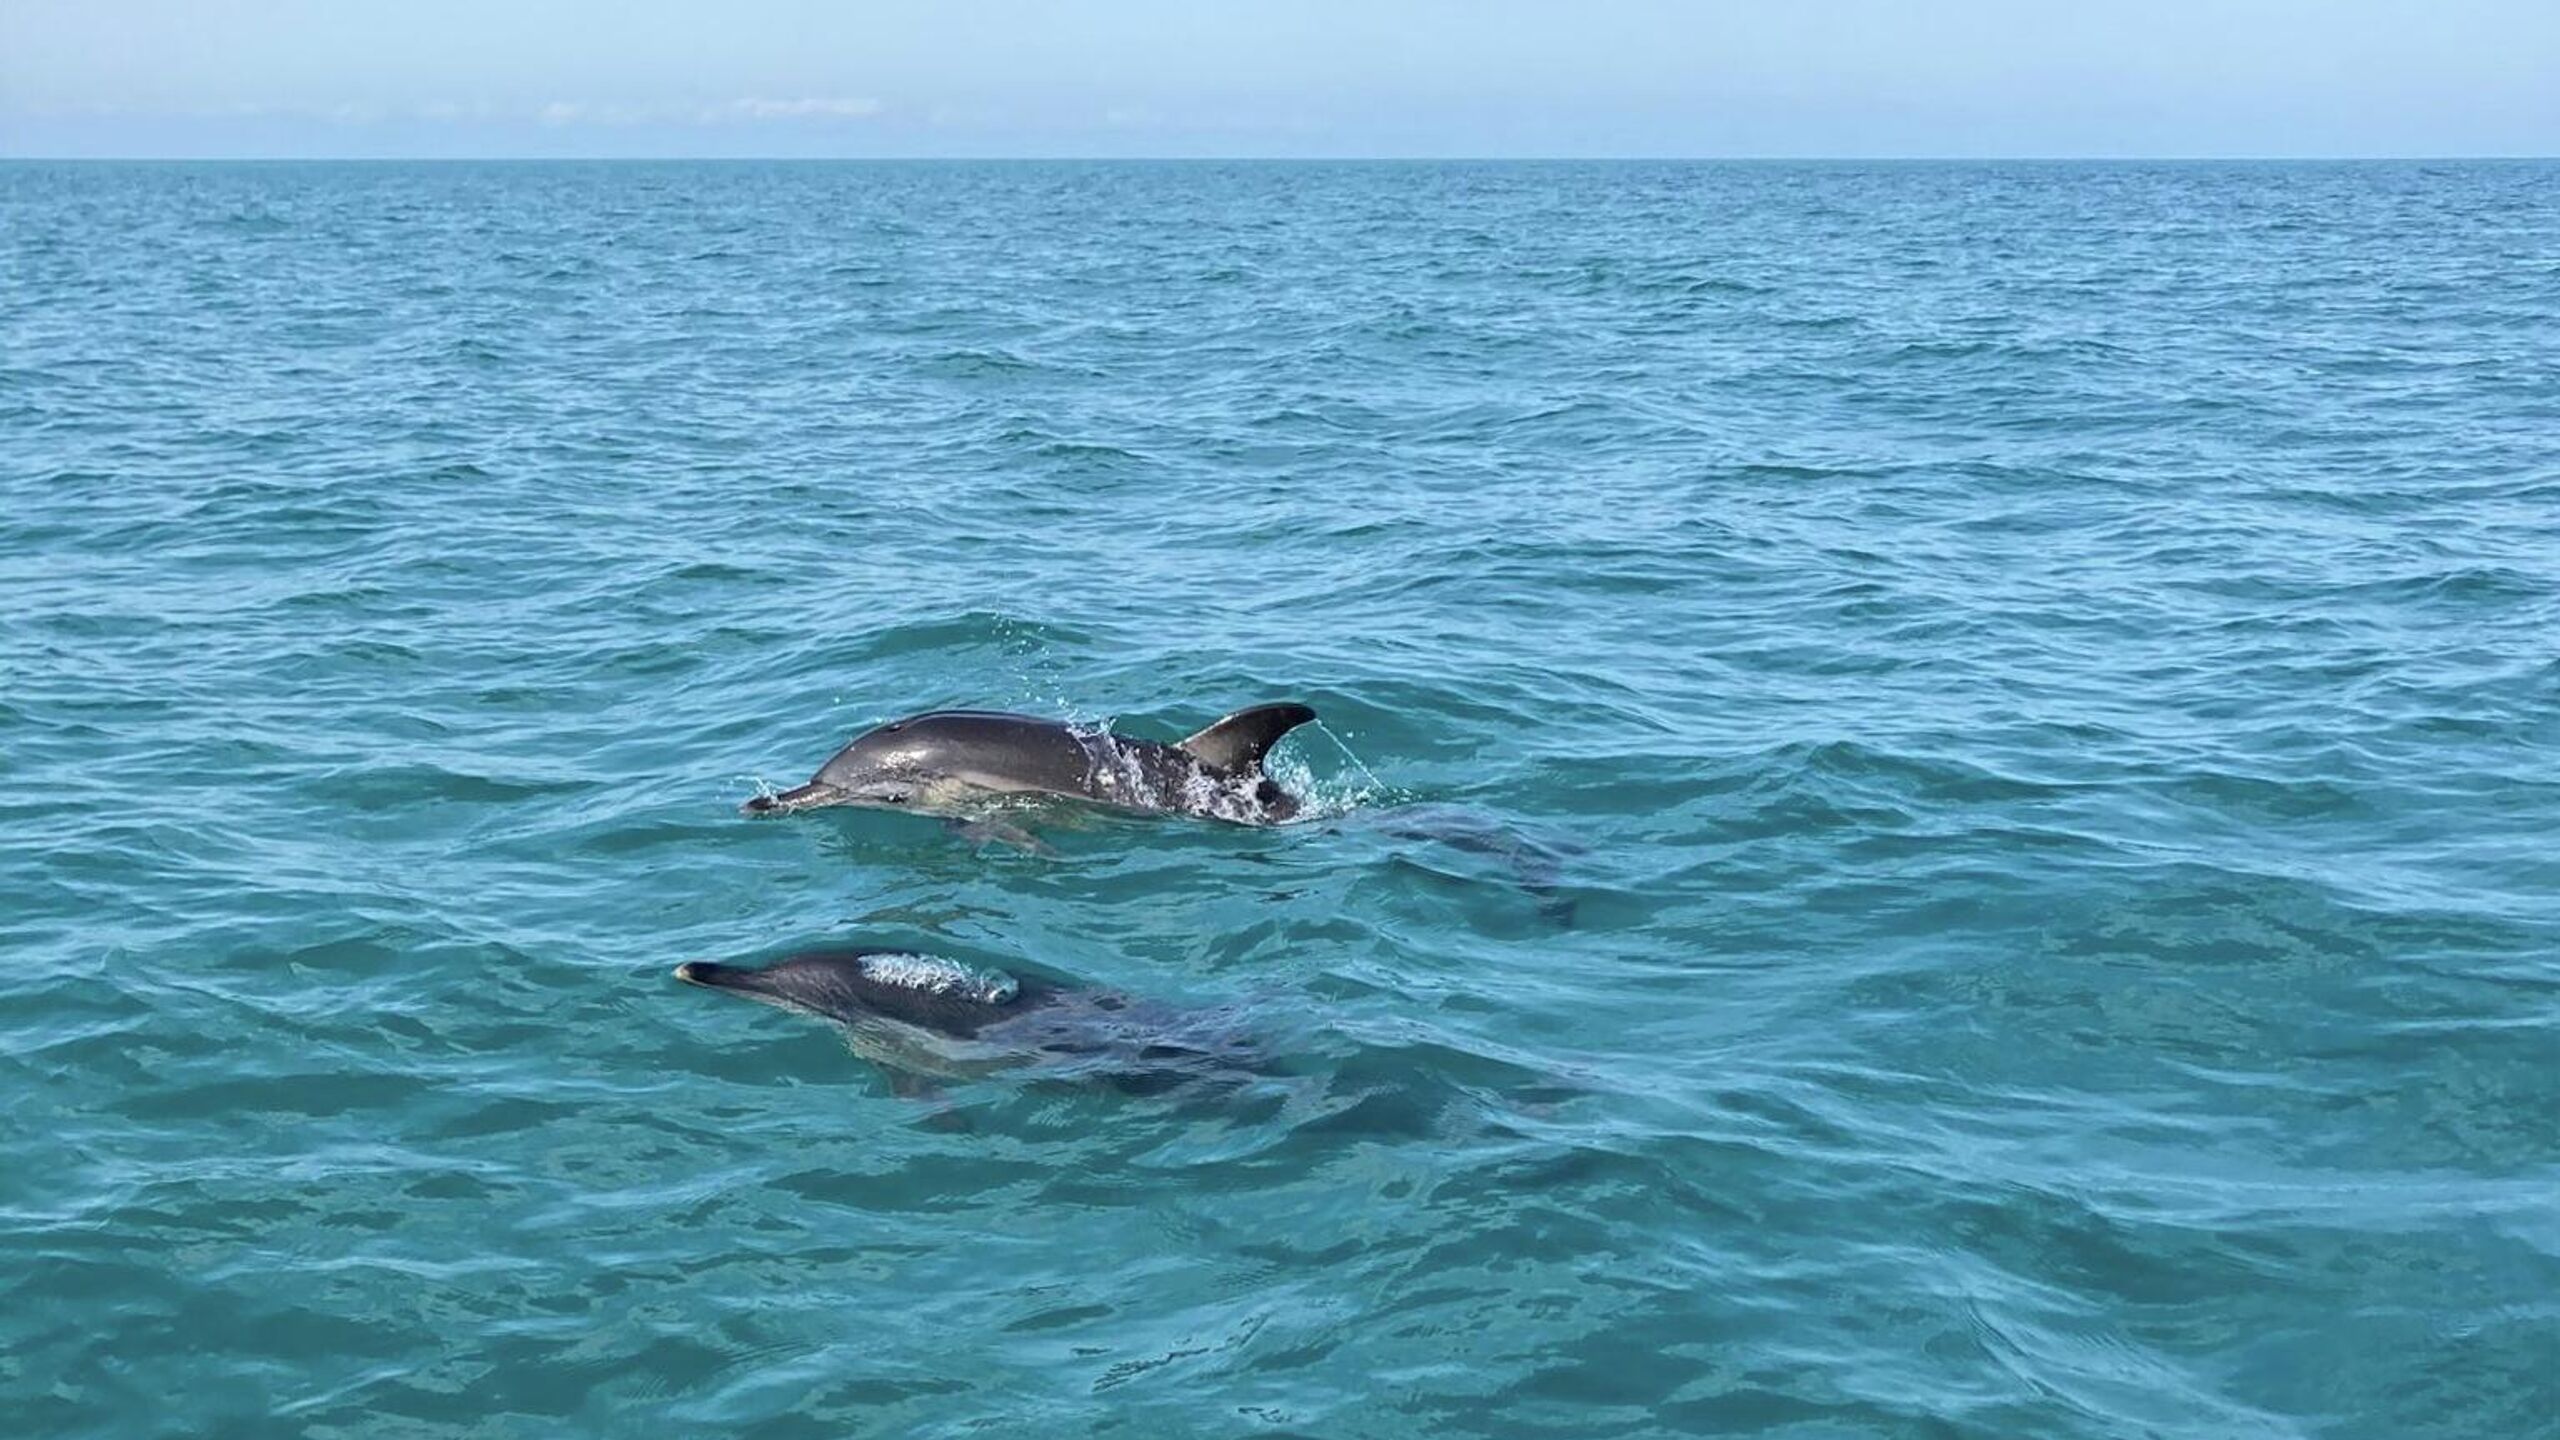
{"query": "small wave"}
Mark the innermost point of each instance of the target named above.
(999, 631)
(388, 787)
(976, 364)
(255, 222)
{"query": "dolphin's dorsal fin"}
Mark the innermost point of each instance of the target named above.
(1238, 742)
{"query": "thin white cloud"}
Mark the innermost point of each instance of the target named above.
(581, 112)
(459, 110)
(807, 107)
(747, 109)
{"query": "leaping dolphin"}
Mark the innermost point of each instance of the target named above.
(961, 762)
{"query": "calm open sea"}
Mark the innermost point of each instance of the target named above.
(1935, 816)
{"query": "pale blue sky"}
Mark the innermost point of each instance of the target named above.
(1306, 78)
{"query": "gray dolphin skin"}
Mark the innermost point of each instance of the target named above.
(964, 762)
(932, 1017)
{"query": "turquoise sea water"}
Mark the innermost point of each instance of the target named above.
(1935, 814)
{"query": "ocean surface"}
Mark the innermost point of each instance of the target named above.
(1937, 810)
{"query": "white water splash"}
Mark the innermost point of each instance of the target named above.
(939, 976)
(1324, 798)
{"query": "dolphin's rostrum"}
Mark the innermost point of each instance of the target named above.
(959, 762)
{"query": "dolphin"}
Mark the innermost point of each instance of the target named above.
(928, 1017)
(961, 763)
(1537, 863)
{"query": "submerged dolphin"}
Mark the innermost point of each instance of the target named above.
(1537, 862)
(959, 762)
(926, 1016)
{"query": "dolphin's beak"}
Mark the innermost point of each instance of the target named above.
(736, 979)
(712, 975)
(802, 798)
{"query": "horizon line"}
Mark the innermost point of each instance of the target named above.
(1381, 159)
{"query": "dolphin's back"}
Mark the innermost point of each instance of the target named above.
(925, 991)
(928, 1015)
(985, 748)
(949, 761)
